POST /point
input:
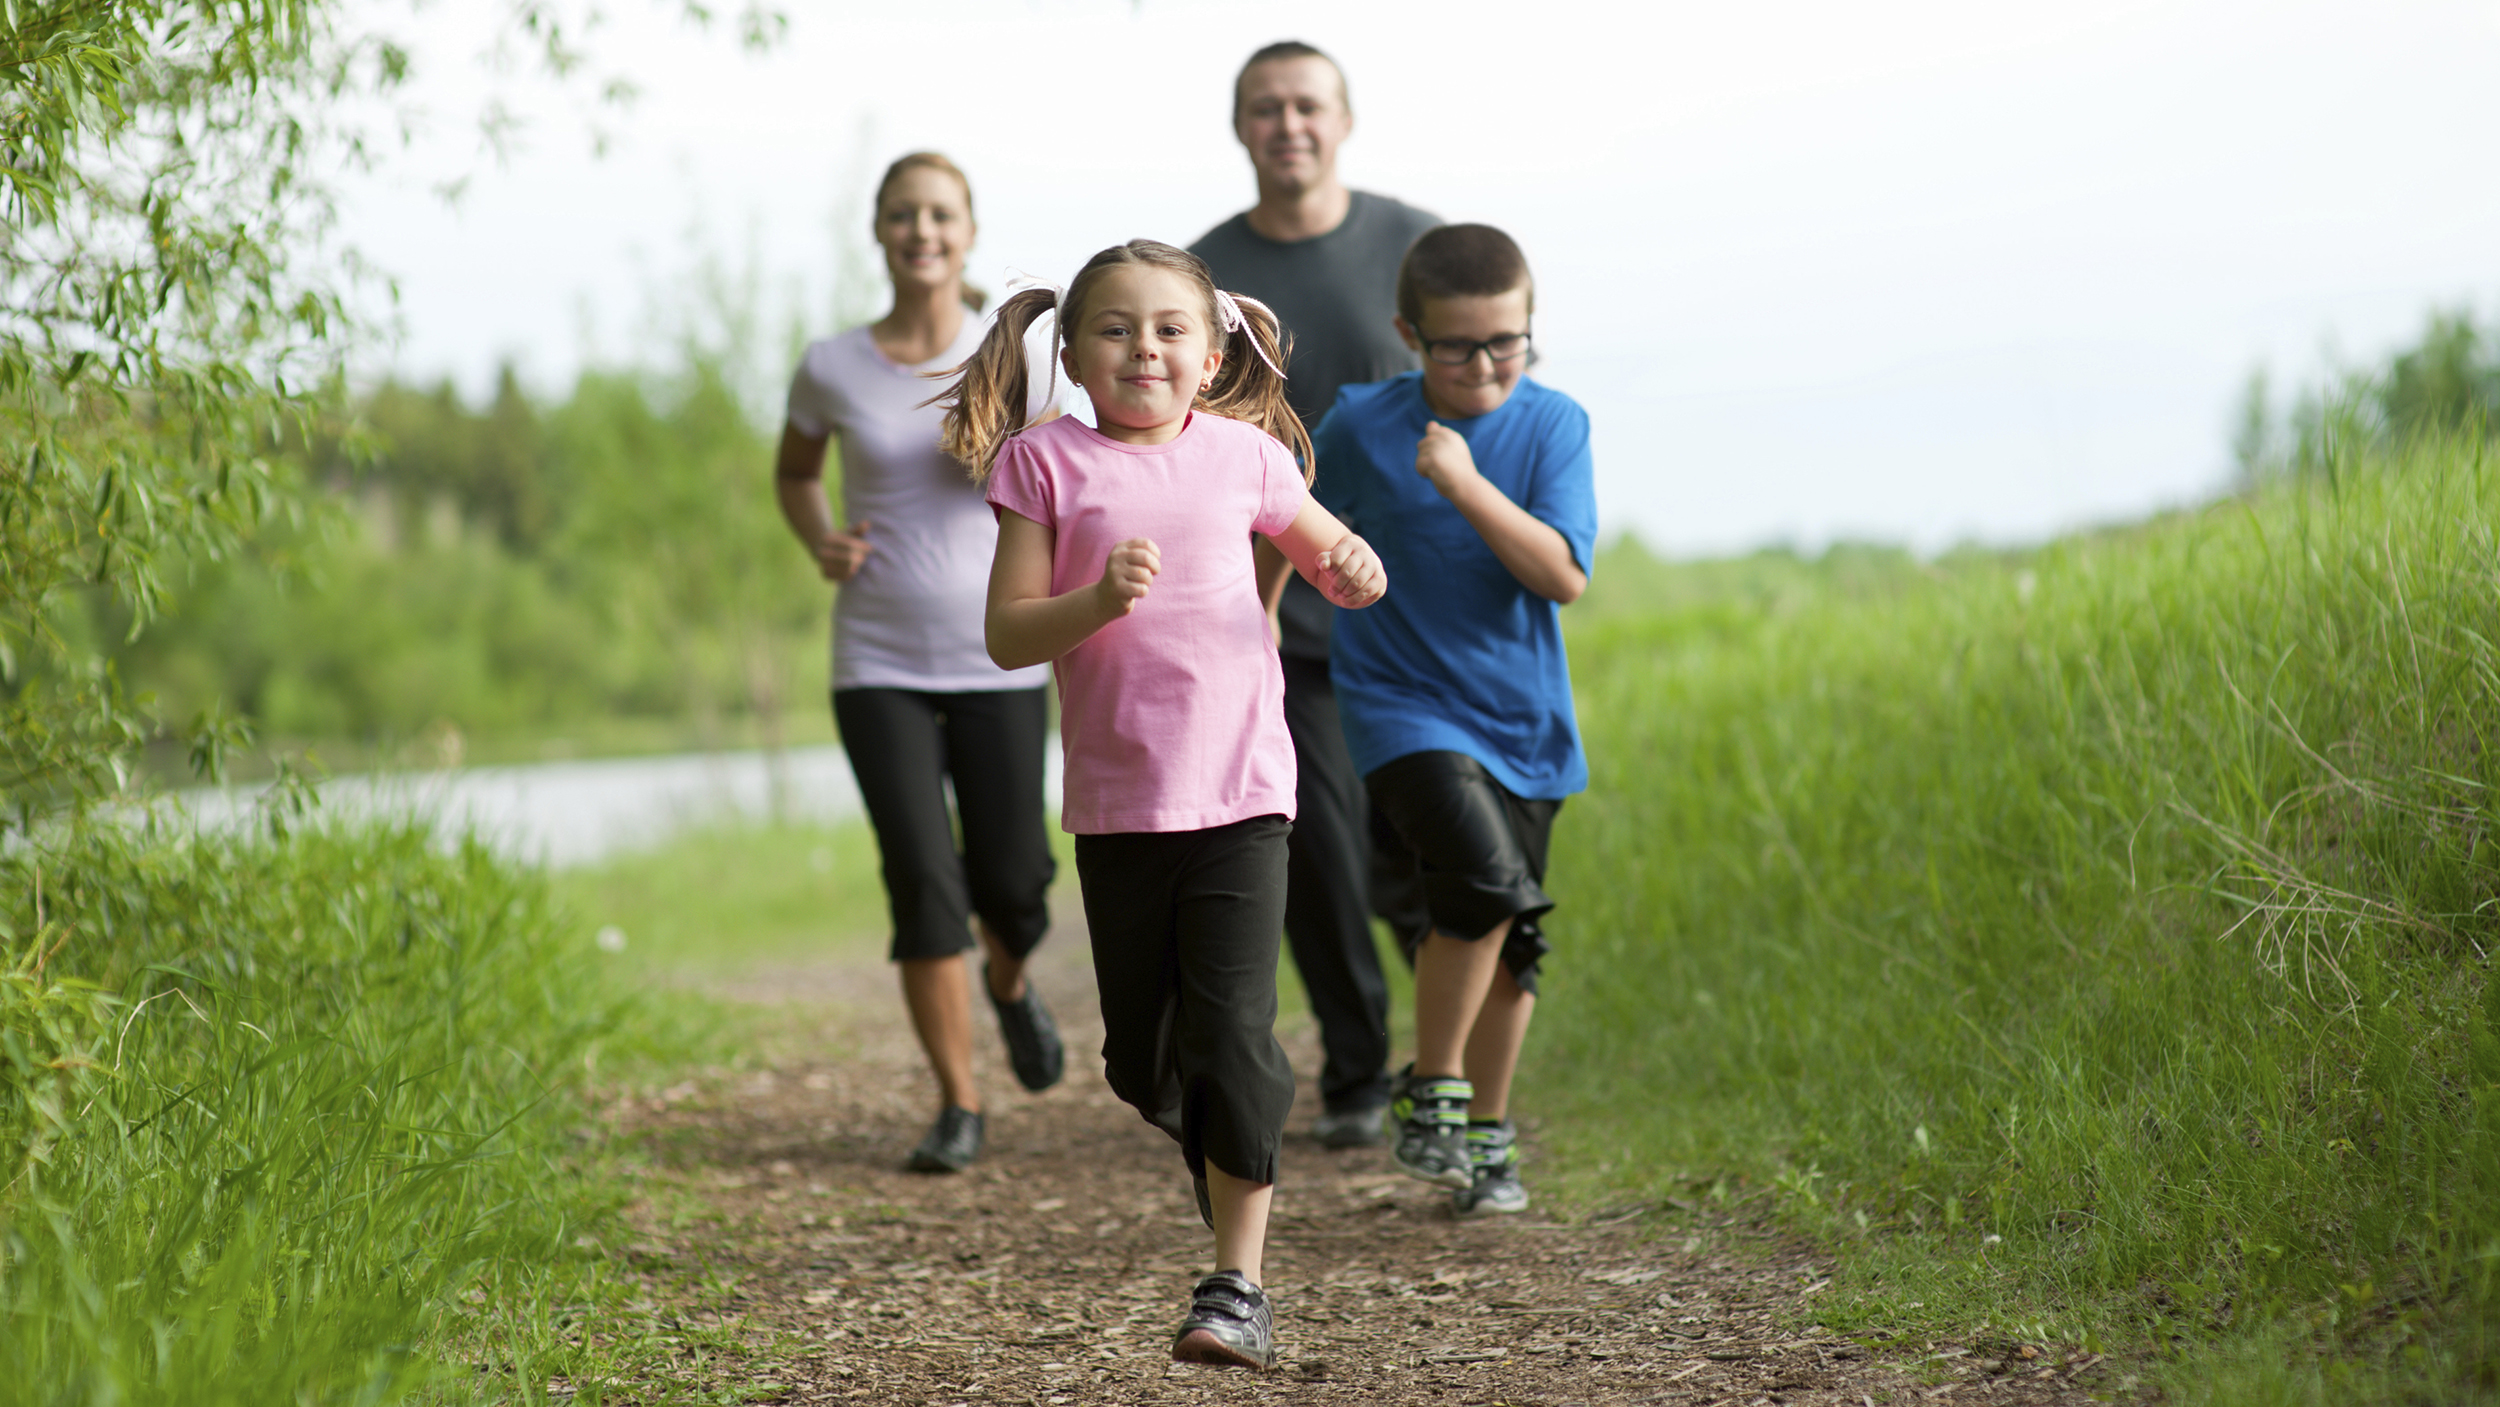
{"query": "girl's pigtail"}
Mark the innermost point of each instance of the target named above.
(1251, 387)
(985, 405)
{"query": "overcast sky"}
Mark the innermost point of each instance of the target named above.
(1922, 272)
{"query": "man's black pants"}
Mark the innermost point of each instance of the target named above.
(1327, 908)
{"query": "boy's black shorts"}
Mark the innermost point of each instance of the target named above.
(1476, 851)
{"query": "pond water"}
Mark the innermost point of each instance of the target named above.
(578, 813)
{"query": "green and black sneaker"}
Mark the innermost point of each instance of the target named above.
(1493, 1155)
(1430, 1116)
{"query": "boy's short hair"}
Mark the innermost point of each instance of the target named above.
(1289, 49)
(1460, 261)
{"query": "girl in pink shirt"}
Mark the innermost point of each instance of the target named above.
(1125, 559)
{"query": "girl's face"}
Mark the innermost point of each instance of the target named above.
(924, 224)
(1143, 350)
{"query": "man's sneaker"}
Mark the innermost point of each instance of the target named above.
(1431, 1129)
(1032, 1038)
(1493, 1151)
(953, 1142)
(1350, 1128)
(1229, 1323)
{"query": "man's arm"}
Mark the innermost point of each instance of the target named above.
(1533, 551)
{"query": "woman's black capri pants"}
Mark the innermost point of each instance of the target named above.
(1186, 925)
(904, 746)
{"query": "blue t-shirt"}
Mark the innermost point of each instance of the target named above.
(1458, 657)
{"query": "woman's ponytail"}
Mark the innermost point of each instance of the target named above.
(1251, 384)
(986, 404)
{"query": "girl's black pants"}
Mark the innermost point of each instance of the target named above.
(1185, 931)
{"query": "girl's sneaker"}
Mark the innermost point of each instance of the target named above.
(1229, 1324)
(1493, 1153)
(1431, 1137)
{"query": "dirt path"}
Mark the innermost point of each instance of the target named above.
(1052, 1273)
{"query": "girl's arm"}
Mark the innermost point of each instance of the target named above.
(1530, 547)
(799, 482)
(1025, 624)
(1341, 565)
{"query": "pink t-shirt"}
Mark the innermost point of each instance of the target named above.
(1172, 718)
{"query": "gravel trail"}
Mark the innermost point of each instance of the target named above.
(1053, 1271)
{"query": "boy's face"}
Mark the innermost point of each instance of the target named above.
(1141, 351)
(1291, 117)
(1479, 384)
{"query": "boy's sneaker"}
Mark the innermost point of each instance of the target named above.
(1493, 1152)
(1032, 1038)
(1229, 1323)
(1431, 1129)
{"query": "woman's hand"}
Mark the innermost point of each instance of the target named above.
(1350, 573)
(840, 555)
(1126, 576)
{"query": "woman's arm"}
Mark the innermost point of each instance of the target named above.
(799, 482)
(1025, 624)
(1533, 551)
(1341, 565)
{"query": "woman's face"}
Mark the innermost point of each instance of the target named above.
(924, 225)
(1141, 350)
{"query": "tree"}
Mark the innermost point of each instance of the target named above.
(170, 313)
(160, 327)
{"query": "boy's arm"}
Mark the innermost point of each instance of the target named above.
(1341, 565)
(1532, 549)
(1025, 624)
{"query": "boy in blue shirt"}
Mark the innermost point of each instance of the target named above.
(1456, 698)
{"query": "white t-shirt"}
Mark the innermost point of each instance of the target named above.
(911, 618)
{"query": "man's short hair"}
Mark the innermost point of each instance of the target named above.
(1289, 49)
(1460, 261)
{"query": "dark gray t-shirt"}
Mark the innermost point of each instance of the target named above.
(1336, 294)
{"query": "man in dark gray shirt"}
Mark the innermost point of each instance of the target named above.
(1325, 258)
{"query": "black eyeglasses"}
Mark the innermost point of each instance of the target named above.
(1458, 351)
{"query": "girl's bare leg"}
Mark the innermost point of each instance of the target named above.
(939, 993)
(1452, 977)
(1240, 1221)
(1493, 1045)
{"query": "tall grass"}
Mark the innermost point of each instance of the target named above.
(271, 1104)
(2110, 922)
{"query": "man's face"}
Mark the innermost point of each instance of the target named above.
(1291, 118)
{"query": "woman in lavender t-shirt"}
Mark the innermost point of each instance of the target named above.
(916, 698)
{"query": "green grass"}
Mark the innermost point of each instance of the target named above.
(2090, 942)
(719, 902)
(303, 1115)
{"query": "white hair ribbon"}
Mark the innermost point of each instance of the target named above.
(1019, 282)
(1228, 307)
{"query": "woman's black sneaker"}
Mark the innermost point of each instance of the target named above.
(953, 1142)
(1229, 1324)
(1032, 1037)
